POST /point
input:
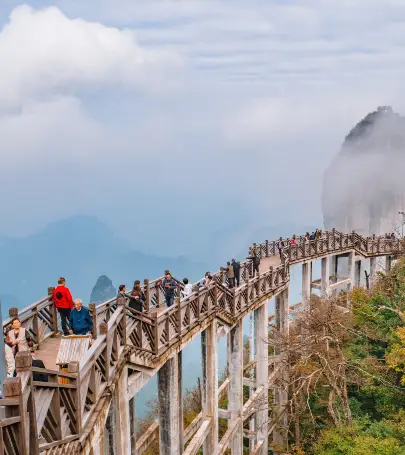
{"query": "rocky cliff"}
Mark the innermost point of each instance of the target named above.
(364, 188)
(103, 290)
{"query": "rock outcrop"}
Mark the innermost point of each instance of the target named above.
(364, 187)
(103, 290)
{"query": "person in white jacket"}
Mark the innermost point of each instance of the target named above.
(10, 362)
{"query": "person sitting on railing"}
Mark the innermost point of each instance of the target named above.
(230, 274)
(63, 302)
(37, 363)
(236, 271)
(188, 288)
(80, 320)
(169, 286)
(19, 339)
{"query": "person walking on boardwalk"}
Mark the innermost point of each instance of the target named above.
(80, 320)
(169, 286)
(230, 274)
(18, 338)
(63, 301)
(236, 271)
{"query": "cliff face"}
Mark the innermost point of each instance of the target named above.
(103, 290)
(364, 187)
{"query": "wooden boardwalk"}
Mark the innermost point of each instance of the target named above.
(48, 352)
(71, 420)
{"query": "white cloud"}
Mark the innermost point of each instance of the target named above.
(42, 51)
(262, 81)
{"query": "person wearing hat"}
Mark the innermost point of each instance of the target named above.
(63, 301)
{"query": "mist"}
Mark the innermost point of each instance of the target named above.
(364, 188)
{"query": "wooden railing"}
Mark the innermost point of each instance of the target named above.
(60, 409)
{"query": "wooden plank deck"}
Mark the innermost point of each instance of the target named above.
(48, 352)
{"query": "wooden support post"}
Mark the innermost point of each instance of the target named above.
(179, 319)
(281, 389)
(210, 385)
(261, 316)
(325, 276)
(13, 313)
(169, 405)
(373, 270)
(351, 271)
(147, 295)
(132, 420)
(93, 315)
(74, 368)
(121, 301)
(357, 272)
(388, 263)
(306, 281)
(157, 294)
(235, 392)
(180, 394)
(123, 427)
(12, 389)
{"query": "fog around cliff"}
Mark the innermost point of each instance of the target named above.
(364, 187)
(173, 121)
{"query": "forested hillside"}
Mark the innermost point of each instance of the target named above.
(347, 392)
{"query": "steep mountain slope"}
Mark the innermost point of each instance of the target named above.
(363, 188)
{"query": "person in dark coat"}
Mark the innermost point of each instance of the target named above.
(36, 376)
(169, 286)
(255, 262)
(236, 271)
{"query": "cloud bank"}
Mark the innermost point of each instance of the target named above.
(232, 110)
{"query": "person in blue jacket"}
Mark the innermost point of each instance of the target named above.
(80, 321)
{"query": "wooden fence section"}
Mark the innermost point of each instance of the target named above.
(41, 415)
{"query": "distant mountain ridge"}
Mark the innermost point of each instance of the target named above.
(80, 249)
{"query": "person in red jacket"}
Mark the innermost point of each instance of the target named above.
(63, 301)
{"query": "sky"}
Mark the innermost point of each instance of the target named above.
(170, 120)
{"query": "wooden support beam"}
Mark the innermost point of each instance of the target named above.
(198, 438)
(224, 442)
(258, 449)
(224, 414)
(147, 438)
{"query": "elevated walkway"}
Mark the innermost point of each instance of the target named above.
(67, 414)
